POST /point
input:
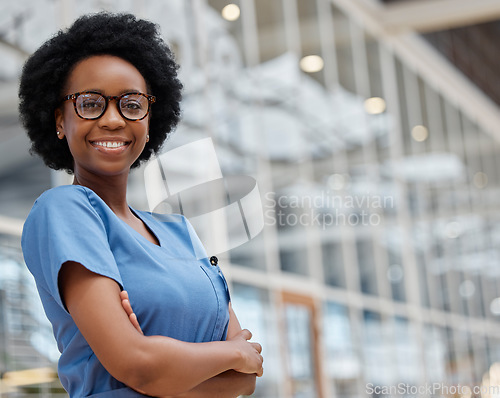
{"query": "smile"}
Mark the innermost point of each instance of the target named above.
(110, 147)
(109, 144)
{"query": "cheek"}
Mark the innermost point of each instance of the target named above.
(143, 129)
(71, 122)
(76, 132)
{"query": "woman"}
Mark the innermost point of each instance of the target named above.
(96, 101)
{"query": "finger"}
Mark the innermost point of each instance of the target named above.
(127, 307)
(124, 295)
(135, 322)
(257, 346)
(261, 370)
(246, 334)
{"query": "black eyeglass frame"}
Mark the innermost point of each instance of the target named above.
(151, 99)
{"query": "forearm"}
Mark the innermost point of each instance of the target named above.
(170, 367)
(155, 365)
(229, 384)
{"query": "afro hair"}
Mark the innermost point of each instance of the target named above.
(45, 74)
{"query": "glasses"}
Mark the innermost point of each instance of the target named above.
(91, 105)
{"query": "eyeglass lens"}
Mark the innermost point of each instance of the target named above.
(93, 105)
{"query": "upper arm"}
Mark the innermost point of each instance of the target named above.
(234, 326)
(93, 302)
(157, 365)
(49, 239)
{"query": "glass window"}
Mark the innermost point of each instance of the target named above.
(395, 270)
(437, 273)
(464, 357)
(251, 254)
(489, 290)
(26, 338)
(344, 50)
(333, 264)
(255, 313)
(294, 260)
(300, 350)
(373, 61)
(377, 352)
(423, 280)
(343, 367)
(302, 359)
(481, 358)
(270, 29)
(409, 366)
(367, 271)
(435, 353)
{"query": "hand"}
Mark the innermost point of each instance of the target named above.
(251, 353)
(128, 309)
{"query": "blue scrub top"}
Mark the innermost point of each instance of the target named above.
(172, 292)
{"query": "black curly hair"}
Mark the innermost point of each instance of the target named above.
(123, 35)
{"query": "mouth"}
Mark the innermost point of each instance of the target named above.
(110, 146)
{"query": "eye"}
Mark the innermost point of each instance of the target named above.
(132, 104)
(91, 103)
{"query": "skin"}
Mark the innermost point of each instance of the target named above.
(213, 387)
(153, 365)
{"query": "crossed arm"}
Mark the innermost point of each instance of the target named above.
(156, 365)
(225, 384)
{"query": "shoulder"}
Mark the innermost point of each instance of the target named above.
(69, 214)
(63, 204)
(63, 193)
(66, 198)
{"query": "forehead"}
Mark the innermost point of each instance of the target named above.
(106, 73)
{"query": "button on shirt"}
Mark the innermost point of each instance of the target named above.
(172, 291)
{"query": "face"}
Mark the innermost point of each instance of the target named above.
(109, 145)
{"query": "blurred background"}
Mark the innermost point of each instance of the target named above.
(372, 129)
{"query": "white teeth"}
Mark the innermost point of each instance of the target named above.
(109, 144)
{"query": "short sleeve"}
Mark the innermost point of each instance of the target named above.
(64, 226)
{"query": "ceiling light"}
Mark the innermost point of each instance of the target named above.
(338, 181)
(467, 288)
(480, 180)
(495, 306)
(453, 230)
(395, 273)
(311, 63)
(375, 105)
(231, 12)
(419, 133)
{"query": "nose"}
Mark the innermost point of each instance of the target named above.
(112, 119)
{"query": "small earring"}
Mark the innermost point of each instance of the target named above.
(147, 137)
(58, 133)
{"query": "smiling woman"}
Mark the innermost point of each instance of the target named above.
(134, 309)
(100, 138)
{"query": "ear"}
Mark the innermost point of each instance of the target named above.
(59, 117)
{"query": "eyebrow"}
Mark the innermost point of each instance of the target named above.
(130, 90)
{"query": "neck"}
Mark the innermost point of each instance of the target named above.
(111, 189)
